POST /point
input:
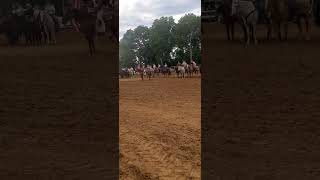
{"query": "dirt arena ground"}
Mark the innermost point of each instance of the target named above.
(160, 128)
(260, 107)
(58, 110)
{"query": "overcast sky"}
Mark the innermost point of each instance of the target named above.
(143, 12)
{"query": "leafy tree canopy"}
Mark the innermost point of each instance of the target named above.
(164, 42)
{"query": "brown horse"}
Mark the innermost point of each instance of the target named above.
(279, 16)
(282, 11)
(225, 10)
(84, 23)
(140, 70)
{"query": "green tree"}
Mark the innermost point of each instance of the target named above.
(127, 49)
(188, 36)
(162, 39)
(164, 42)
(144, 52)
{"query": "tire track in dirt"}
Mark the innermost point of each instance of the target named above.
(165, 146)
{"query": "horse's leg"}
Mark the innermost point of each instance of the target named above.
(254, 33)
(245, 35)
(46, 38)
(307, 28)
(246, 31)
(232, 31)
(299, 26)
(93, 45)
(228, 31)
(279, 30)
(53, 34)
(269, 30)
(90, 46)
(286, 30)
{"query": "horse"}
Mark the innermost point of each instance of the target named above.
(9, 26)
(124, 73)
(156, 71)
(180, 71)
(281, 12)
(247, 16)
(277, 13)
(165, 71)
(34, 28)
(301, 9)
(140, 70)
(48, 27)
(131, 72)
(112, 26)
(149, 72)
(229, 20)
(85, 23)
(195, 69)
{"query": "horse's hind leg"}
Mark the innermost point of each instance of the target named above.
(307, 28)
(254, 33)
(232, 31)
(228, 31)
(286, 31)
(279, 31)
(93, 46)
(247, 37)
(90, 46)
(299, 27)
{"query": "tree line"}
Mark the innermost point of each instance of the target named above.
(164, 42)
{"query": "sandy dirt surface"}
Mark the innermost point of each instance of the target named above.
(260, 107)
(59, 111)
(160, 128)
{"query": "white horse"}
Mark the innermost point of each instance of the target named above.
(247, 16)
(181, 71)
(48, 25)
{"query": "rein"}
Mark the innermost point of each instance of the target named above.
(250, 14)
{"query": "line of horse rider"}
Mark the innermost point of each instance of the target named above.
(182, 70)
(39, 24)
(275, 14)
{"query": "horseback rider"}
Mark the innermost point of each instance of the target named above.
(28, 11)
(184, 63)
(101, 27)
(193, 63)
(18, 10)
(51, 10)
(27, 7)
(36, 10)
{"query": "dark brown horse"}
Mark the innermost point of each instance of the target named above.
(225, 11)
(229, 20)
(84, 23)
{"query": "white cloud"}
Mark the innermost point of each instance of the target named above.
(133, 13)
